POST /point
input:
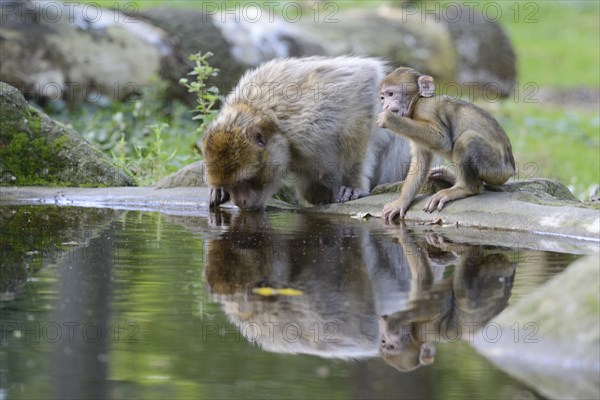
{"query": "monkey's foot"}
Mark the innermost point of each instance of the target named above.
(218, 196)
(347, 194)
(445, 195)
(390, 210)
(442, 174)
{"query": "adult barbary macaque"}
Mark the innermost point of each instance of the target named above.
(461, 132)
(309, 122)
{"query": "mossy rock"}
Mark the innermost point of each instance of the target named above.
(36, 150)
(551, 338)
(36, 236)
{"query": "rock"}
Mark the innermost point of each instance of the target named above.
(257, 36)
(239, 40)
(536, 345)
(36, 150)
(532, 205)
(508, 209)
(74, 51)
(193, 31)
(54, 51)
(486, 59)
(544, 189)
(189, 176)
(37, 236)
(393, 34)
(556, 225)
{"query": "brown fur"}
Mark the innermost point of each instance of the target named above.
(306, 122)
(459, 131)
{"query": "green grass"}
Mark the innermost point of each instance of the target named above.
(549, 144)
(556, 42)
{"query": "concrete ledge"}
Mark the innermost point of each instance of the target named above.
(489, 210)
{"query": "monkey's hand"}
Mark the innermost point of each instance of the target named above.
(218, 196)
(382, 119)
(347, 194)
(396, 207)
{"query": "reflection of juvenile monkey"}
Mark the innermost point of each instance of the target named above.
(459, 131)
(447, 309)
(305, 121)
(401, 347)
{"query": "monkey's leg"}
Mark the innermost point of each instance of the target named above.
(492, 159)
(497, 173)
(421, 159)
(466, 155)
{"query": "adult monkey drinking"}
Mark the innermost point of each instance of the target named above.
(459, 131)
(307, 121)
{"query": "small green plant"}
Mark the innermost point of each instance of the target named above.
(150, 161)
(207, 96)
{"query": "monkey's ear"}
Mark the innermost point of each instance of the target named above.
(426, 86)
(257, 135)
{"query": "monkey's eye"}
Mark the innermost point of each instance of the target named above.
(390, 94)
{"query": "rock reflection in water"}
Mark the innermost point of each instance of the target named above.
(362, 295)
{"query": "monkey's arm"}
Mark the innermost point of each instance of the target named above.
(428, 134)
(420, 163)
(418, 261)
(218, 196)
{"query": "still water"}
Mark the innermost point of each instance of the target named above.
(99, 303)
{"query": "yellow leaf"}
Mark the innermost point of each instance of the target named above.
(290, 292)
(264, 291)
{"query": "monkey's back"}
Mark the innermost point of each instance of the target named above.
(458, 116)
(317, 102)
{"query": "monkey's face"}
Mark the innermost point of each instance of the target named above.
(242, 166)
(400, 349)
(396, 100)
(395, 335)
(400, 90)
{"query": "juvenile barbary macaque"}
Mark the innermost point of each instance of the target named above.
(459, 131)
(309, 122)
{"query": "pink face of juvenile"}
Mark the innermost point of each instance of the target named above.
(396, 99)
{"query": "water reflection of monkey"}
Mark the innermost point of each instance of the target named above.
(334, 316)
(347, 277)
(447, 310)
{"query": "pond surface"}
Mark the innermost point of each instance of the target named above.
(100, 303)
